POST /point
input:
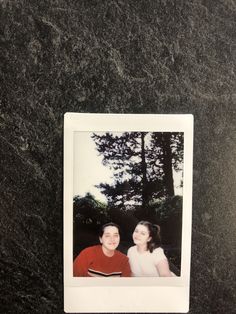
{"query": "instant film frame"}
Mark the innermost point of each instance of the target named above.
(135, 294)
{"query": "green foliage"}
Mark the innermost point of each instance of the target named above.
(171, 207)
(170, 213)
(125, 219)
(88, 210)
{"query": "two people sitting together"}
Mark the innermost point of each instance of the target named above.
(145, 259)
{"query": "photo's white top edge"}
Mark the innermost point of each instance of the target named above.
(127, 122)
(74, 115)
(127, 114)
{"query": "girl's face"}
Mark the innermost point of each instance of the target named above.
(141, 235)
(110, 238)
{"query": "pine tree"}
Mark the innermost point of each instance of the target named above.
(142, 163)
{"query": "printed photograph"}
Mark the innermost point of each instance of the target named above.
(127, 204)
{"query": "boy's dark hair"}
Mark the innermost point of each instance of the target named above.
(109, 224)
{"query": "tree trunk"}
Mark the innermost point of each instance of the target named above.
(144, 173)
(167, 164)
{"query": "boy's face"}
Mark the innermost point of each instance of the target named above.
(110, 238)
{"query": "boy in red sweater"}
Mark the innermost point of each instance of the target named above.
(103, 260)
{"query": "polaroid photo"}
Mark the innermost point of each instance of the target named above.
(127, 212)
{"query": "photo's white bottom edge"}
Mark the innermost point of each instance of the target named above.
(126, 299)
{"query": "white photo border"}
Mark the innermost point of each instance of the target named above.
(148, 295)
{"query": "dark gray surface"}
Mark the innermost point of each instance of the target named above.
(112, 56)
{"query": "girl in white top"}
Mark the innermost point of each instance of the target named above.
(147, 258)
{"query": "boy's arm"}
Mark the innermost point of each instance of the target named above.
(126, 271)
(80, 265)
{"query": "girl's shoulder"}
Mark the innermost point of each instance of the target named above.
(158, 249)
(131, 249)
(159, 254)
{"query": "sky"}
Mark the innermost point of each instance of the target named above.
(89, 171)
(88, 168)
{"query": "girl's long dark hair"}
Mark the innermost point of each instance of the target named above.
(154, 233)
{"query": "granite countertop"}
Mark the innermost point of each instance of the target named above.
(114, 57)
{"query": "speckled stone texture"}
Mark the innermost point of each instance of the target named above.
(116, 56)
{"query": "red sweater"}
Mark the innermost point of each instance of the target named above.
(92, 262)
